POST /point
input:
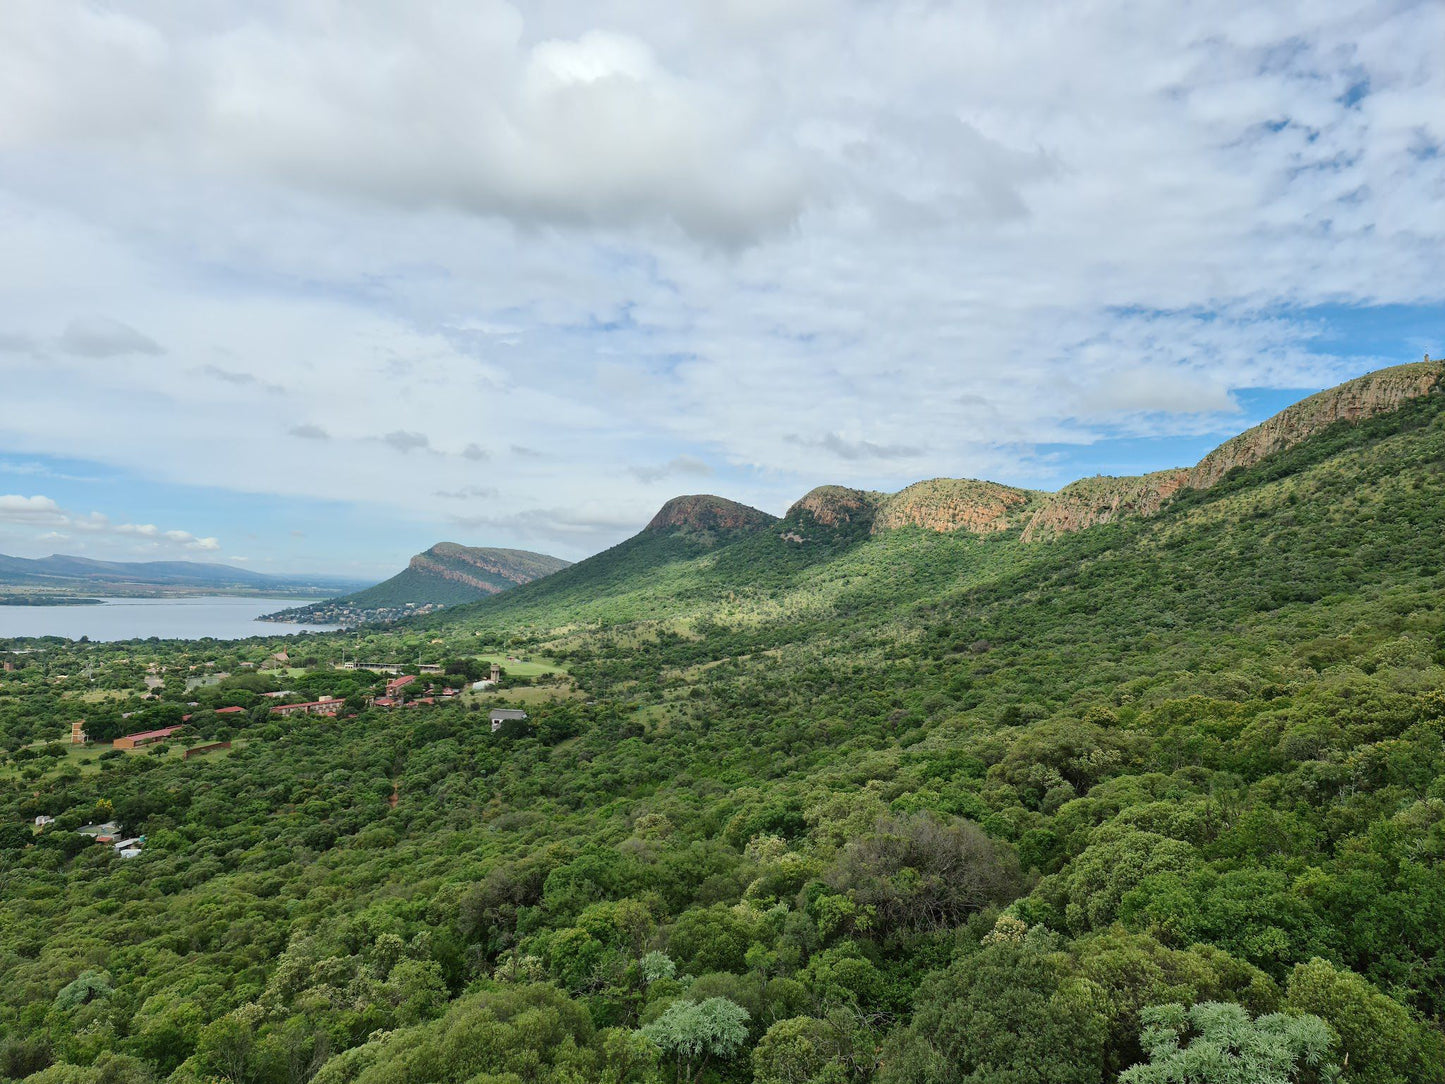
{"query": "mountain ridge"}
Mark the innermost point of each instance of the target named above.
(61, 572)
(445, 574)
(832, 520)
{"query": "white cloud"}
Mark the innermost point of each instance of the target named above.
(42, 519)
(559, 252)
(586, 129)
(18, 509)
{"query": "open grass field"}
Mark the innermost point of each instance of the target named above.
(525, 666)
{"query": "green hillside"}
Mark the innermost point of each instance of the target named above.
(827, 803)
(445, 575)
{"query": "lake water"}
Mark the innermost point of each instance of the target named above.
(223, 617)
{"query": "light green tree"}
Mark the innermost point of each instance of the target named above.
(696, 1033)
(1218, 1042)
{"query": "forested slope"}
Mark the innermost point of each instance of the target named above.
(904, 806)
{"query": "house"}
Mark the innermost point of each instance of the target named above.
(383, 702)
(42, 820)
(101, 832)
(145, 737)
(430, 668)
(326, 706)
(506, 715)
(77, 732)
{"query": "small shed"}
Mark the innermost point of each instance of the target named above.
(506, 715)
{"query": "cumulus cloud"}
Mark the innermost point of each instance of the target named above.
(43, 514)
(591, 128)
(102, 337)
(18, 509)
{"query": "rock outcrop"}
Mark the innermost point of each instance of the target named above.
(483, 568)
(955, 504)
(1374, 393)
(1102, 500)
(704, 512)
(836, 506)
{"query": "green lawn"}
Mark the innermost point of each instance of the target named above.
(528, 667)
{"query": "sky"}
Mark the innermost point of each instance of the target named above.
(310, 285)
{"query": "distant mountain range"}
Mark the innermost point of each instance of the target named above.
(445, 575)
(60, 575)
(707, 547)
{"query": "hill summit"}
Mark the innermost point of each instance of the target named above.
(705, 512)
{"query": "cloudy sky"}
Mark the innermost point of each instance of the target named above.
(310, 284)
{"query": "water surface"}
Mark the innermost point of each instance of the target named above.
(223, 617)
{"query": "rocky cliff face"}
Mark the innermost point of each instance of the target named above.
(1375, 393)
(955, 504)
(482, 568)
(836, 506)
(1103, 500)
(704, 512)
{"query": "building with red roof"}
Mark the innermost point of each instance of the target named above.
(145, 737)
(395, 685)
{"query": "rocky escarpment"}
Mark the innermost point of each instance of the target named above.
(1375, 393)
(955, 504)
(488, 570)
(702, 512)
(448, 574)
(1102, 500)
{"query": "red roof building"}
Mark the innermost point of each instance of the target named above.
(395, 685)
(145, 737)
